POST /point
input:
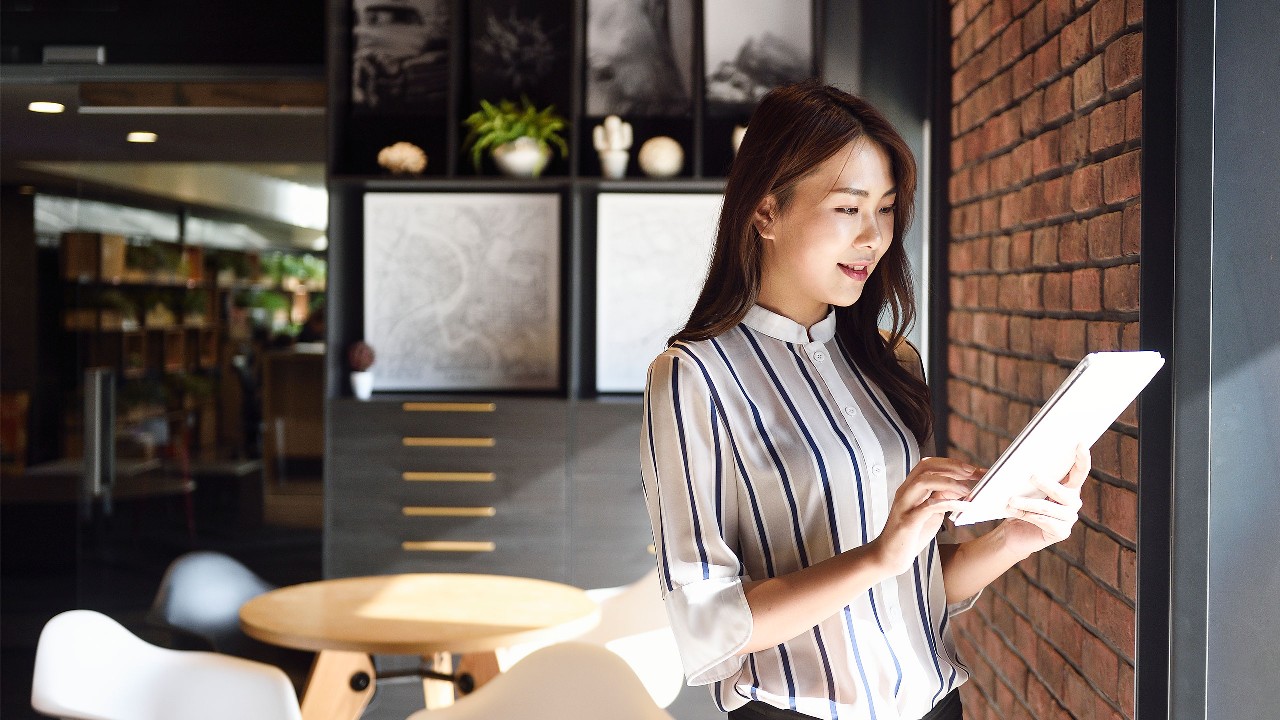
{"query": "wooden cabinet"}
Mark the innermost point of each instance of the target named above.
(538, 487)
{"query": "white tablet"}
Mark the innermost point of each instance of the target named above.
(1079, 411)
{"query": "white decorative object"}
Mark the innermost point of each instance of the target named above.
(652, 253)
(523, 157)
(738, 132)
(403, 158)
(462, 290)
(362, 384)
(612, 140)
(661, 157)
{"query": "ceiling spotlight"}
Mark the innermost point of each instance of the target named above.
(44, 106)
(141, 137)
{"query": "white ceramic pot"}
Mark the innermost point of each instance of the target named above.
(362, 384)
(661, 157)
(522, 158)
(613, 163)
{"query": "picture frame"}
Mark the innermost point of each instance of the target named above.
(752, 46)
(652, 255)
(400, 55)
(462, 290)
(639, 58)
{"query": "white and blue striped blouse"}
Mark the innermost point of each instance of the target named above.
(766, 452)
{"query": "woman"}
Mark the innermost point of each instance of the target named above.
(797, 526)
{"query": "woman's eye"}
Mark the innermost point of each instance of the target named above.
(848, 210)
(887, 210)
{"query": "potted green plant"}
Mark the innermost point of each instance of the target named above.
(519, 136)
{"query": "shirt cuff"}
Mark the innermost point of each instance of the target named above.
(711, 622)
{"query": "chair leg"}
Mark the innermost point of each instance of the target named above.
(339, 687)
(438, 693)
(481, 666)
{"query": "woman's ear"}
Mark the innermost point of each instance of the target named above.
(764, 216)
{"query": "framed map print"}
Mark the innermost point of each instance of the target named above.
(462, 290)
(652, 254)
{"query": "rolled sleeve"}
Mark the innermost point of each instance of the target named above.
(691, 495)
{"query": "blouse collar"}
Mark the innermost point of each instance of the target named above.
(787, 330)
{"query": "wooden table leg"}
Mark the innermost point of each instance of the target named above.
(438, 693)
(339, 687)
(482, 666)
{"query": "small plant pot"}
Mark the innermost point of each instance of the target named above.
(362, 384)
(613, 163)
(521, 158)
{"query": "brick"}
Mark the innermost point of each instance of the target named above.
(1075, 141)
(1108, 18)
(1045, 246)
(1129, 338)
(1125, 690)
(1081, 593)
(1044, 332)
(1071, 243)
(1123, 60)
(1086, 290)
(1122, 177)
(1020, 342)
(1047, 63)
(1076, 42)
(1132, 233)
(1045, 152)
(1120, 288)
(1057, 99)
(1105, 454)
(1120, 511)
(1011, 40)
(1069, 344)
(1056, 12)
(1020, 250)
(1107, 126)
(1133, 116)
(1104, 337)
(1033, 30)
(1128, 574)
(1133, 12)
(1086, 188)
(1087, 83)
(1010, 292)
(1056, 197)
(1117, 622)
(1102, 556)
(1105, 235)
(1051, 376)
(1129, 458)
(1023, 75)
(1030, 292)
(1000, 253)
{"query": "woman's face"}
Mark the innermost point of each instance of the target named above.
(822, 247)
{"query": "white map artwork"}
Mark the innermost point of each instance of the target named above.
(462, 290)
(652, 253)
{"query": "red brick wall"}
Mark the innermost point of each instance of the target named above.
(1045, 192)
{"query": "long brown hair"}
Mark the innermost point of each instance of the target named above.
(793, 131)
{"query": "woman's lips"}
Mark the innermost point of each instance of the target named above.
(857, 272)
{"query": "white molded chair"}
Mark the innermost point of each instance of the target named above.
(89, 667)
(634, 625)
(565, 681)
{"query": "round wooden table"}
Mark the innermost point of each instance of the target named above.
(431, 615)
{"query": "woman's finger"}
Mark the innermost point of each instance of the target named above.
(1058, 492)
(918, 489)
(1055, 530)
(1047, 508)
(1080, 470)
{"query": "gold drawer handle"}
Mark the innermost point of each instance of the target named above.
(447, 546)
(449, 407)
(437, 511)
(423, 476)
(448, 442)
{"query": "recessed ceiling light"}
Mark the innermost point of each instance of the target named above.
(142, 137)
(44, 106)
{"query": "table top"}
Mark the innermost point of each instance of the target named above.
(418, 614)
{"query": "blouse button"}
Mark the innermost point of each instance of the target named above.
(819, 356)
(877, 470)
(851, 411)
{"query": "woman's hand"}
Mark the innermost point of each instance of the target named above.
(1036, 524)
(934, 487)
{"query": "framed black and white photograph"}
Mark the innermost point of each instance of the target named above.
(639, 57)
(521, 48)
(462, 290)
(652, 254)
(400, 56)
(753, 46)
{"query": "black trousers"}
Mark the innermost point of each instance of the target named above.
(949, 708)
